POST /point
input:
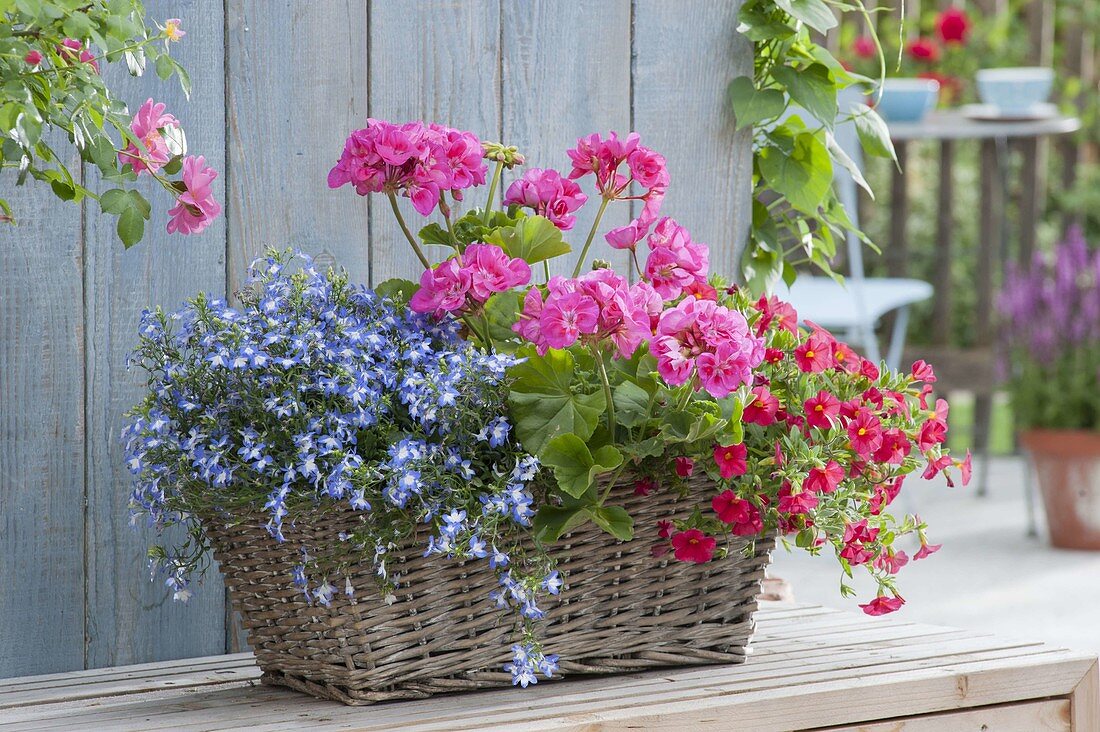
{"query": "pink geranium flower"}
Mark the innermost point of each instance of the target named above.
(492, 271)
(883, 605)
(415, 160)
(548, 194)
(685, 466)
(731, 459)
(644, 486)
(675, 261)
(703, 334)
(566, 317)
(148, 125)
(33, 57)
(196, 207)
(693, 546)
(443, 289)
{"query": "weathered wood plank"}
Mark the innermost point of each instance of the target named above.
(1051, 715)
(439, 61)
(807, 683)
(41, 432)
(586, 78)
(129, 618)
(297, 85)
(1085, 701)
(685, 55)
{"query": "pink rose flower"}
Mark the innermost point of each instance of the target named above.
(196, 207)
(147, 125)
(548, 194)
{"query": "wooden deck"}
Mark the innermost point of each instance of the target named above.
(811, 668)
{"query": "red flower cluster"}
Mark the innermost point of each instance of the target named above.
(829, 438)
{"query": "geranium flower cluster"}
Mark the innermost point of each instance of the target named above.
(418, 161)
(265, 406)
(605, 159)
(829, 440)
(547, 194)
(599, 307)
(464, 283)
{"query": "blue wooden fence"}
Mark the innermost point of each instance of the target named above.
(277, 86)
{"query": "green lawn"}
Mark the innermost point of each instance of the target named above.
(961, 421)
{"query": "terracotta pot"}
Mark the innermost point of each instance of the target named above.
(1067, 463)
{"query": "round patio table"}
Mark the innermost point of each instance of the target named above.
(994, 136)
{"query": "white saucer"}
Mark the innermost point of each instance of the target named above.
(991, 113)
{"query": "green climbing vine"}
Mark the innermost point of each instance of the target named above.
(791, 102)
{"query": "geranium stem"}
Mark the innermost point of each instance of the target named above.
(492, 194)
(606, 391)
(405, 230)
(591, 236)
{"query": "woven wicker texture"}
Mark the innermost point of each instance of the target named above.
(621, 610)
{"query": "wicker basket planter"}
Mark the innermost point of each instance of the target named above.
(622, 610)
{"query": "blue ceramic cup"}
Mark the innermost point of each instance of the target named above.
(908, 100)
(1015, 90)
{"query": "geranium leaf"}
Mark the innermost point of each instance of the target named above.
(543, 403)
(533, 239)
(396, 289)
(615, 521)
(575, 467)
(553, 522)
(631, 404)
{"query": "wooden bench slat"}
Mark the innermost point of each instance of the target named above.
(808, 663)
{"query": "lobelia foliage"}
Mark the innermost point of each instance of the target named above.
(1050, 313)
(52, 53)
(573, 391)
